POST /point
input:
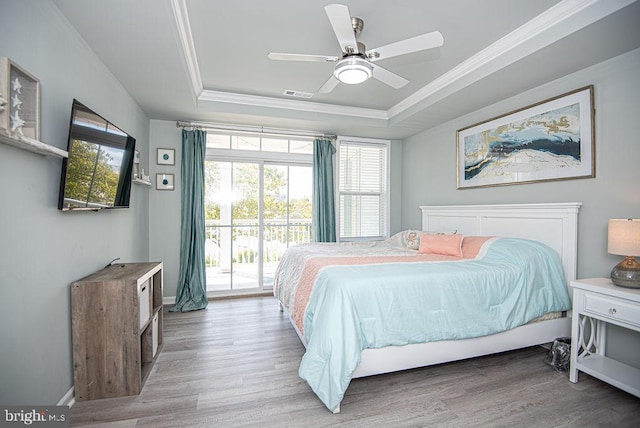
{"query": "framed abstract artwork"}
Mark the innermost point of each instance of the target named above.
(550, 140)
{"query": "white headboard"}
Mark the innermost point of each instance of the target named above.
(554, 224)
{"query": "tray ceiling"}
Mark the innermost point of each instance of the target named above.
(207, 61)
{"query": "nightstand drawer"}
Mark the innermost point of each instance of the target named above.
(612, 308)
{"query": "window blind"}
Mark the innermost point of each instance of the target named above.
(362, 188)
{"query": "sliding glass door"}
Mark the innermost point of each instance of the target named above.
(254, 211)
(286, 218)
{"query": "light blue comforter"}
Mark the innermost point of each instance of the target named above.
(370, 306)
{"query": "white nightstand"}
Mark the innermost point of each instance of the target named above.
(597, 302)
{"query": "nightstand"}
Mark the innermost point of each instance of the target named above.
(597, 302)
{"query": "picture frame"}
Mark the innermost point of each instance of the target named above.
(165, 181)
(547, 141)
(19, 101)
(166, 157)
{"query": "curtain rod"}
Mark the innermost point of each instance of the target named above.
(254, 129)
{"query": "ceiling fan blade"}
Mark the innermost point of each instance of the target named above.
(340, 19)
(387, 77)
(413, 44)
(301, 57)
(329, 85)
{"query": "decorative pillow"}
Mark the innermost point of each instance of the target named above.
(399, 239)
(471, 245)
(448, 245)
(413, 240)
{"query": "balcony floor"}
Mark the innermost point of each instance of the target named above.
(245, 277)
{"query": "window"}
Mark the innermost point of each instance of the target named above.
(260, 143)
(363, 183)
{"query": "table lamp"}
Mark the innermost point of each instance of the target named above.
(624, 240)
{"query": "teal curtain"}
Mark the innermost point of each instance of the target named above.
(324, 212)
(192, 282)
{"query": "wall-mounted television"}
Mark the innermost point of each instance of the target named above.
(97, 173)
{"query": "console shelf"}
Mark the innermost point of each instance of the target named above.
(117, 329)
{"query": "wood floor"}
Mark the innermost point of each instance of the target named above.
(235, 365)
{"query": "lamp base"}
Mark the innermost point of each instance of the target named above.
(626, 273)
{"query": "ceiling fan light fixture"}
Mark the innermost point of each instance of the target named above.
(353, 70)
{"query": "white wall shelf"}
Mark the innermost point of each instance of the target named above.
(31, 145)
(141, 181)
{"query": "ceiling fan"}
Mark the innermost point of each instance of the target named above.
(356, 64)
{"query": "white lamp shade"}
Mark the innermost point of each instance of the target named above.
(624, 236)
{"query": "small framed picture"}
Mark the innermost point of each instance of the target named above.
(19, 101)
(165, 181)
(166, 157)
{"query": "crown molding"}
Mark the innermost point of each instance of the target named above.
(298, 105)
(181, 16)
(557, 22)
(564, 18)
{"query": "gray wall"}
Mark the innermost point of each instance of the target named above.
(429, 162)
(164, 223)
(395, 191)
(42, 250)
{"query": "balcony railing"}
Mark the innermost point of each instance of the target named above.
(231, 251)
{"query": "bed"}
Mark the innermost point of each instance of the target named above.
(363, 309)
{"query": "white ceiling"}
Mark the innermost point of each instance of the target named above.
(199, 60)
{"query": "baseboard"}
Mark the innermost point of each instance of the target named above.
(68, 399)
(268, 293)
(171, 300)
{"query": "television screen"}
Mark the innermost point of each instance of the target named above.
(97, 173)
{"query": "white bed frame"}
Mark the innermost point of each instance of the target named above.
(555, 224)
